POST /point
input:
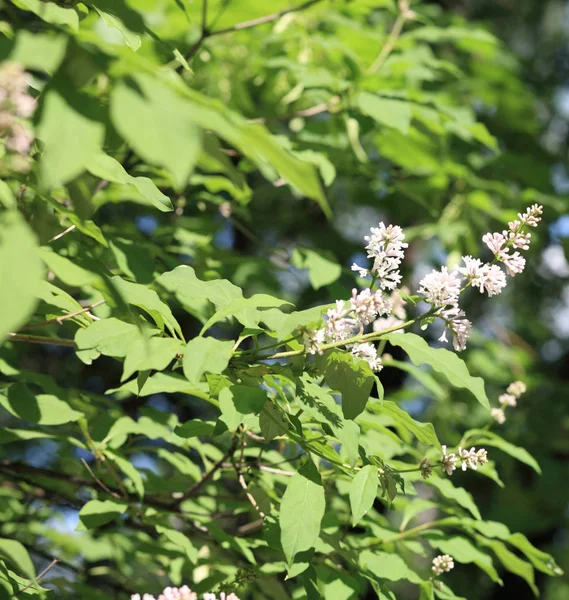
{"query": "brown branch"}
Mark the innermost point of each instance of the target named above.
(59, 320)
(42, 574)
(39, 339)
(205, 34)
(60, 235)
(101, 484)
(265, 19)
(208, 474)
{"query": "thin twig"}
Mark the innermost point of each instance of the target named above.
(42, 574)
(238, 466)
(265, 19)
(205, 34)
(59, 320)
(209, 474)
(276, 471)
(108, 490)
(405, 14)
(60, 235)
(40, 339)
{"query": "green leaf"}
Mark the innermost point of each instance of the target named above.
(131, 39)
(459, 495)
(170, 138)
(301, 512)
(129, 470)
(386, 111)
(363, 491)
(19, 254)
(443, 361)
(206, 355)
(181, 541)
(147, 354)
(271, 422)
(424, 432)
(43, 409)
(540, 560)
(322, 271)
(98, 512)
(16, 554)
(149, 301)
(194, 428)
(513, 563)
(239, 400)
(39, 51)
(110, 337)
(384, 565)
(245, 310)
(105, 167)
(65, 269)
(351, 377)
(71, 138)
(51, 12)
(488, 438)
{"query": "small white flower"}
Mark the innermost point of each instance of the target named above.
(517, 388)
(449, 461)
(460, 327)
(368, 352)
(514, 263)
(385, 246)
(498, 415)
(442, 564)
(482, 456)
(532, 215)
(469, 458)
(507, 400)
(440, 288)
(368, 306)
(360, 270)
(494, 241)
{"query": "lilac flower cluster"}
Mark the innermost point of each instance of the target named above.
(470, 459)
(510, 398)
(16, 105)
(384, 307)
(183, 593)
(441, 289)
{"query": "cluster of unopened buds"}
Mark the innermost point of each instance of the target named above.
(184, 593)
(469, 459)
(510, 398)
(16, 106)
(442, 564)
(381, 305)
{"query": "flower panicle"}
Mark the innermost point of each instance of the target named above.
(469, 459)
(184, 593)
(508, 400)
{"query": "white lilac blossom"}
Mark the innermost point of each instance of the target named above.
(442, 564)
(510, 398)
(514, 237)
(498, 415)
(385, 246)
(367, 352)
(184, 593)
(484, 276)
(449, 461)
(507, 400)
(440, 288)
(16, 105)
(367, 305)
(470, 459)
(517, 388)
(398, 313)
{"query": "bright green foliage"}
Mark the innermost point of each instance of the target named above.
(201, 179)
